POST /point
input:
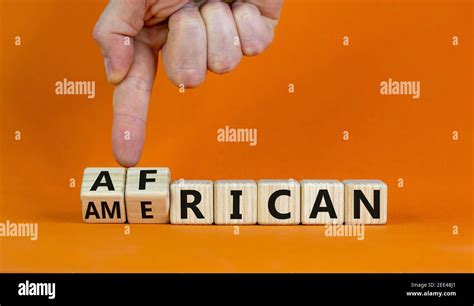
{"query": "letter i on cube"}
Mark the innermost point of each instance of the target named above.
(235, 202)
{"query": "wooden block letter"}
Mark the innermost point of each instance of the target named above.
(365, 202)
(322, 202)
(147, 195)
(278, 202)
(192, 202)
(102, 195)
(235, 202)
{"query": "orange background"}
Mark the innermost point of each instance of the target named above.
(299, 136)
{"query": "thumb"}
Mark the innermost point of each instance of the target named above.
(114, 32)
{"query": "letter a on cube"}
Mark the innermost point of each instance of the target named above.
(322, 202)
(102, 195)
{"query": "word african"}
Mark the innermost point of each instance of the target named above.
(145, 195)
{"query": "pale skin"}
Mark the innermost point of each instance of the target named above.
(192, 39)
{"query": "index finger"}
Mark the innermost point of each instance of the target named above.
(131, 98)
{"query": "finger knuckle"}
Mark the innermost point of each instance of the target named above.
(138, 83)
(244, 13)
(212, 7)
(98, 33)
(184, 21)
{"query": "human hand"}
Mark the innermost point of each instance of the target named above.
(193, 37)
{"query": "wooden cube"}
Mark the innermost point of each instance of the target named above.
(102, 195)
(235, 202)
(278, 202)
(147, 195)
(322, 202)
(365, 202)
(192, 202)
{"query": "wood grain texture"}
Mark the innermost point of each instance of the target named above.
(324, 191)
(368, 189)
(224, 212)
(205, 207)
(286, 205)
(106, 204)
(147, 195)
